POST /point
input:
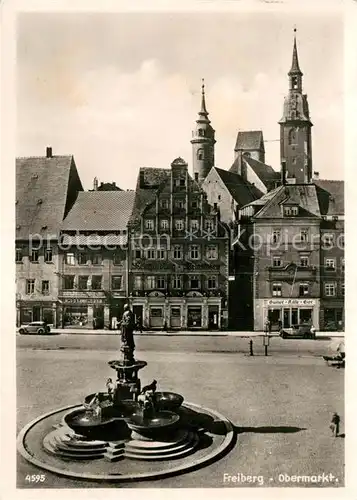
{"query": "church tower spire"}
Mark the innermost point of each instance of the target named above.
(295, 128)
(203, 141)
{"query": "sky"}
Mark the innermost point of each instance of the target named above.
(120, 91)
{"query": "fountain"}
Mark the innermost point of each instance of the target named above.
(126, 422)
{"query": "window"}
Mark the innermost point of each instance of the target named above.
(48, 255)
(151, 254)
(177, 252)
(70, 259)
(34, 256)
(291, 211)
(82, 258)
(164, 203)
(30, 286)
(117, 259)
(276, 289)
(96, 282)
(194, 252)
(137, 254)
(342, 289)
(194, 224)
(179, 204)
(342, 264)
(304, 261)
(161, 254)
(68, 282)
(330, 289)
(96, 259)
(164, 224)
(303, 289)
(18, 254)
(194, 282)
(330, 264)
(194, 204)
(304, 235)
(161, 282)
(45, 287)
(212, 252)
(201, 132)
(276, 236)
(212, 282)
(327, 240)
(176, 282)
(82, 282)
(209, 225)
(149, 224)
(182, 182)
(277, 262)
(150, 282)
(137, 282)
(287, 211)
(292, 136)
(179, 225)
(116, 282)
(201, 154)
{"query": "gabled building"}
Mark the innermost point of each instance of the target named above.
(93, 263)
(178, 253)
(46, 189)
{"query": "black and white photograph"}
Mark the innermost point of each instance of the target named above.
(179, 254)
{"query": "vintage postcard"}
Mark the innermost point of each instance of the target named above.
(178, 246)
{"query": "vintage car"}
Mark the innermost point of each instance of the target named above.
(304, 331)
(39, 327)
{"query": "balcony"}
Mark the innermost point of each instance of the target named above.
(292, 272)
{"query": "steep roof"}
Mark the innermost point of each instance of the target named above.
(265, 172)
(42, 193)
(249, 140)
(304, 195)
(242, 191)
(331, 195)
(150, 179)
(100, 211)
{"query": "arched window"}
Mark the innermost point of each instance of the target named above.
(201, 154)
(201, 132)
(292, 136)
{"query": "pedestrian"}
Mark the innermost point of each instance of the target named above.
(267, 326)
(335, 424)
(139, 325)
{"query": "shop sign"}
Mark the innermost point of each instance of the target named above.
(88, 301)
(291, 302)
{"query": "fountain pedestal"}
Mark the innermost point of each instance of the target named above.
(128, 383)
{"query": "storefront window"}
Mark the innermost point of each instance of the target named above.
(75, 316)
(48, 315)
(26, 316)
(194, 316)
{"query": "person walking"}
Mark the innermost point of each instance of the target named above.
(335, 424)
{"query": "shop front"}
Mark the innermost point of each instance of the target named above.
(332, 317)
(28, 311)
(285, 313)
(77, 313)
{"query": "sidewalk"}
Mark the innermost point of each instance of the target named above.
(177, 333)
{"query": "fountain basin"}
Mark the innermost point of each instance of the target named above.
(168, 401)
(81, 422)
(152, 426)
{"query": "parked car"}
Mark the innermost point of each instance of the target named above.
(305, 331)
(39, 327)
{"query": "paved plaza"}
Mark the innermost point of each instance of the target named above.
(280, 405)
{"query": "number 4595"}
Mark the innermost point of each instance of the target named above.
(35, 478)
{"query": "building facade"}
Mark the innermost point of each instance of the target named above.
(46, 189)
(178, 253)
(93, 260)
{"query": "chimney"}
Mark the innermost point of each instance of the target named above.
(48, 152)
(316, 175)
(95, 184)
(196, 176)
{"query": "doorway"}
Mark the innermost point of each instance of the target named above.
(175, 317)
(274, 318)
(213, 317)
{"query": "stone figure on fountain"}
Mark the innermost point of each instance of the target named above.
(127, 335)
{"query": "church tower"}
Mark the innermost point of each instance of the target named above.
(203, 142)
(295, 129)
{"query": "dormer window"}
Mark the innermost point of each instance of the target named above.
(290, 211)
